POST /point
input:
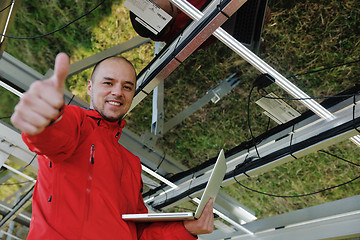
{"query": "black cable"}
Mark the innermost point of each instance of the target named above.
(162, 160)
(59, 29)
(353, 114)
(291, 138)
(166, 196)
(307, 194)
(71, 99)
(323, 69)
(4, 117)
(19, 183)
(293, 196)
(31, 161)
(358, 165)
(12, 2)
(298, 99)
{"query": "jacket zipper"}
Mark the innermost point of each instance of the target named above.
(89, 180)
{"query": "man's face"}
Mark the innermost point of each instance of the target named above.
(112, 88)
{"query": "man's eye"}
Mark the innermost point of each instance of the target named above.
(128, 87)
(107, 83)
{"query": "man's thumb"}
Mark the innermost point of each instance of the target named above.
(61, 70)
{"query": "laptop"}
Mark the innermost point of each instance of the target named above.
(211, 191)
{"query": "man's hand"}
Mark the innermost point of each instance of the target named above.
(203, 225)
(41, 103)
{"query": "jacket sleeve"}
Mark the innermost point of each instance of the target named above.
(59, 140)
(160, 230)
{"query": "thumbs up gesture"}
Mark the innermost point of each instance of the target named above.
(42, 102)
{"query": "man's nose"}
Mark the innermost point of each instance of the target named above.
(116, 91)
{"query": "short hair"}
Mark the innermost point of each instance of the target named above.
(116, 57)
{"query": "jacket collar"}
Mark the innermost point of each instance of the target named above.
(101, 121)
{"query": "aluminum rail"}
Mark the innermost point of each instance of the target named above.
(7, 16)
(185, 44)
(22, 204)
(254, 60)
(297, 142)
(329, 220)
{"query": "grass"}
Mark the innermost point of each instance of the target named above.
(301, 36)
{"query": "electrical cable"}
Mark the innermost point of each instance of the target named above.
(358, 165)
(1, 118)
(162, 160)
(307, 194)
(353, 114)
(59, 29)
(166, 196)
(323, 69)
(298, 99)
(19, 183)
(300, 195)
(310, 72)
(12, 2)
(31, 161)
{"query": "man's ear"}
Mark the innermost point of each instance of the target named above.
(89, 86)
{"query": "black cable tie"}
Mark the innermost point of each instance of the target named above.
(291, 137)
(263, 80)
(71, 99)
(162, 160)
(178, 60)
(144, 92)
(354, 107)
(225, 14)
(192, 179)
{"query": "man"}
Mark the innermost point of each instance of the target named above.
(86, 179)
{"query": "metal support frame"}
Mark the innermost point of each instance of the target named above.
(113, 51)
(299, 140)
(7, 17)
(328, 220)
(176, 52)
(157, 122)
(158, 70)
(22, 204)
(131, 141)
(253, 59)
(214, 95)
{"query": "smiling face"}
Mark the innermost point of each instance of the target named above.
(112, 88)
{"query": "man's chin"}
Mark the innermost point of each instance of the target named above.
(112, 118)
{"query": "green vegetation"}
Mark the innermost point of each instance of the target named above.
(301, 36)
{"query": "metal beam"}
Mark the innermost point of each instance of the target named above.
(294, 143)
(113, 51)
(22, 204)
(214, 95)
(329, 220)
(7, 16)
(253, 59)
(12, 145)
(176, 52)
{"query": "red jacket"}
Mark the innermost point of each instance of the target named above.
(87, 180)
